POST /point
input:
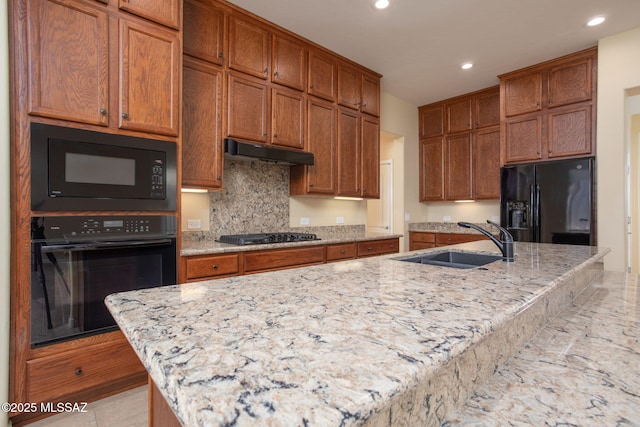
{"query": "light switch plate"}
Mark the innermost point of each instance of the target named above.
(304, 221)
(446, 218)
(194, 224)
(339, 220)
(495, 219)
(407, 216)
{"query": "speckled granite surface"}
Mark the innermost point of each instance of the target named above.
(449, 227)
(327, 235)
(582, 369)
(359, 342)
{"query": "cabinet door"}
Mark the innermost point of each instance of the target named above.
(570, 83)
(432, 169)
(201, 115)
(321, 137)
(371, 95)
(322, 75)
(287, 118)
(247, 108)
(486, 164)
(149, 78)
(431, 121)
(289, 63)
(248, 47)
(459, 116)
(348, 86)
(487, 109)
(523, 94)
(370, 157)
(204, 34)
(458, 167)
(68, 54)
(166, 12)
(348, 153)
(569, 132)
(523, 138)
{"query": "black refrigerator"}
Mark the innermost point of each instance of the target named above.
(550, 202)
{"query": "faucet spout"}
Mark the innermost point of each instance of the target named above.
(505, 244)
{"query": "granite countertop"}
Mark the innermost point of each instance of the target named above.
(212, 247)
(332, 344)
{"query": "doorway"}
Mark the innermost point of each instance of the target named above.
(380, 211)
(632, 181)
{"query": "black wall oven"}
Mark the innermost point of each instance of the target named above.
(80, 170)
(78, 260)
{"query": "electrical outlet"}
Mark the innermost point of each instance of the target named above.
(194, 224)
(446, 218)
(495, 218)
(304, 221)
(407, 216)
(339, 220)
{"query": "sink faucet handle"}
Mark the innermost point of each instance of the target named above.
(504, 233)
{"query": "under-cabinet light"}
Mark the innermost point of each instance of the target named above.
(464, 201)
(347, 198)
(195, 190)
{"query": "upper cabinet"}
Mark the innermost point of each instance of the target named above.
(548, 110)
(166, 12)
(289, 59)
(68, 44)
(70, 61)
(204, 32)
(358, 90)
(248, 46)
(460, 147)
(322, 81)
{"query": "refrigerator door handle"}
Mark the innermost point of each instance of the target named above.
(532, 215)
(538, 216)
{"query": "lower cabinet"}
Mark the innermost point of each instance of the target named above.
(61, 375)
(426, 240)
(204, 267)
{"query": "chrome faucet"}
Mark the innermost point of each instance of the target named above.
(505, 244)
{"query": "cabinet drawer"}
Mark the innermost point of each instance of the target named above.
(283, 258)
(212, 266)
(414, 246)
(418, 236)
(378, 247)
(443, 239)
(59, 375)
(341, 251)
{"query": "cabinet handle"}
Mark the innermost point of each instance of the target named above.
(364, 105)
(538, 104)
(369, 248)
(78, 372)
(537, 152)
(125, 116)
(214, 266)
(549, 151)
(219, 177)
(275, 135)
(275, 74)
(343, 251)
(103, 111)
(310, 185)
(266, 71)
(310, 86)
(550, 101)
(220, 55)
(264, 134)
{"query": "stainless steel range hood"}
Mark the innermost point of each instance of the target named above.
(239, 150)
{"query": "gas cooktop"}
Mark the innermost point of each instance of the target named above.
(264, 238)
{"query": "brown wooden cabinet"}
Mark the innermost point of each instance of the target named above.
(322, 81)
(349, 153)
(427, 239)
(548, 110)
(289, 59)
(378, 247)
(247, 107)
(204, 33)
(460, 147)
(150, 59)
(288, 111)
(319, 178)
(248, 46)
(432, 169)
(68, 44)
(166, 12)
(358, 90)
(202, 156)
(209, 266)
(370, 166)
(341, 251)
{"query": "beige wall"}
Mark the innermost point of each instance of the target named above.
(470, 212)
(618, 69)
(324, 211)
(5, 224)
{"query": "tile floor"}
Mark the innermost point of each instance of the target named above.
(128, 409)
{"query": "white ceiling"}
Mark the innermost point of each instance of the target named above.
(419, 45)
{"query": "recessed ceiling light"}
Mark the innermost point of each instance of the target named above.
(595, 21)
(466, 66)
(381, 4)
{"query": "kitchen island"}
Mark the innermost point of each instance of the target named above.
(370, 341)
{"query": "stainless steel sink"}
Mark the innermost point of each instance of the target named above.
(453, 259)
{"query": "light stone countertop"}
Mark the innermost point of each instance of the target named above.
(209, 247)
(332, 344)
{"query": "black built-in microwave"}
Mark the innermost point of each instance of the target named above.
(76, 169)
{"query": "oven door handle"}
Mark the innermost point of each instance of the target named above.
(105, 245)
